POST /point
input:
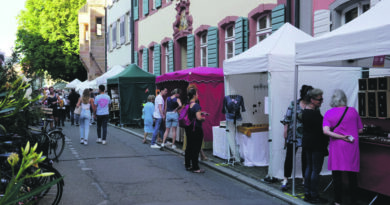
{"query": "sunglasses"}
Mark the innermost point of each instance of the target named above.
(320, 99)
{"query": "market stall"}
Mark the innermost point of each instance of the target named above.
(86, 85)
(363, 42)
(73, 83)
(102, 80)
(268, 72)
(210, 84)
(132, 87)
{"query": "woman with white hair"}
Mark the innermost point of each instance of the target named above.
(343, 125)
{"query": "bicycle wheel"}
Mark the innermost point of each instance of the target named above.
(56, 145)
(52, 195)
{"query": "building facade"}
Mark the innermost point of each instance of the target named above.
(119, 35)
(92, 37)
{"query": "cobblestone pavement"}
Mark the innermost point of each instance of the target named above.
(255, 176)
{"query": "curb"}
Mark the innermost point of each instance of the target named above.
(240, 177)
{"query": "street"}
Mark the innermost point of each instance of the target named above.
(125, 171)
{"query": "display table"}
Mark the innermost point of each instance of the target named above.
(374, 166)
(219, 142)
(254, 148)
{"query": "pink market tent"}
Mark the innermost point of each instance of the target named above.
(210, 82)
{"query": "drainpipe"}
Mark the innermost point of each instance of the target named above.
(105, 39)
(132, 31)
(288, 11)
(296, 16)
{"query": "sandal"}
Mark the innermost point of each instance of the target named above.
(199, 171)
(144, 141)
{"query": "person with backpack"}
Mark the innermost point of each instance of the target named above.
(173, 104)
(194, 132)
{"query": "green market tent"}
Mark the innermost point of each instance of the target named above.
(134, 85)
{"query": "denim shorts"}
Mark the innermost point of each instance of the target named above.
(172, 119)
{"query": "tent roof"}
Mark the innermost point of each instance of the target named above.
(73, 83)
(257, 59)
(199, 74)
(132, 74)
(353, 44)
(110, 73)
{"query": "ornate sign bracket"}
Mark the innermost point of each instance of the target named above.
(183, 23)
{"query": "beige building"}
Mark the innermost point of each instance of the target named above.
(92, 37)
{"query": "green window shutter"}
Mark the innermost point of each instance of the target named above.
(136, 57)
(278, 17)
(145, 7)
(145, 59)
(190, 51)
(212, 47)
(157, 3)
(135, 9)
(157, 59)
(241, 35)
(171, 67)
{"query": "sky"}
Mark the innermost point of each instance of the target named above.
(8, 13)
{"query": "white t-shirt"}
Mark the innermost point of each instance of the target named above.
(158, 101)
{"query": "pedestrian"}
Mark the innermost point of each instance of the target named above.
(315, 144)
(101, 112)
(52, 100)
(173, 104)
(343, 125)
(194, 133)
(148, 117)
(92, 121)
(67, 105)
(288, 135)
(61, 110)
(73, 98)
(159, 116)
(85, 101)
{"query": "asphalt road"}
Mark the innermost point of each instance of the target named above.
(127, 172)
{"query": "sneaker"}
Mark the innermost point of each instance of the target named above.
(82, 141)
(155, 146)
(284, 187)
(99, 140)
(173, 146)
(85, 142)
(104, 142)
(168, 143)
(162, 145)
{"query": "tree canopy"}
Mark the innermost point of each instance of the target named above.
(48, 38)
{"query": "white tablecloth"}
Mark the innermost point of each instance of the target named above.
(254, 149)
(220, 142)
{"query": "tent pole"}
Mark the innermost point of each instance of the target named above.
(295, 126)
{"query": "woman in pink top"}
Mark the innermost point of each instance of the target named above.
(344, 156)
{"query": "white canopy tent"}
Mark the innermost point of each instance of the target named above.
(73, 84)
(84, 85)
(268, 72)
(102, 80)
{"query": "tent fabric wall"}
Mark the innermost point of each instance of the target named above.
(102, 80)
(134, 87)
(210, 84)
(271, 63)
(73, 84)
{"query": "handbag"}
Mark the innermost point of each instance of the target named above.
(77, 110)
(341, 119)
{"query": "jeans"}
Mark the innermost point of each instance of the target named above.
(102, 121)
(172, 119)
(73, 116)
(158, 128)
(314, 163)
(84, 128)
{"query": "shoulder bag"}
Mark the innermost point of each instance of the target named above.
(341, 119)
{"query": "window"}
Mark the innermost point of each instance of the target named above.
(113, 35)
(353, 11)
(122, 30)
(86, 32)
(203, 49)
(153, 57)
(264, 28)
(166, 57)
(229, 42)
(128, 27)
(99, 26)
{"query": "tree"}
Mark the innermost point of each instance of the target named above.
(48, 38)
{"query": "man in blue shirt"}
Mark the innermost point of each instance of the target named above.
(102, 103)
